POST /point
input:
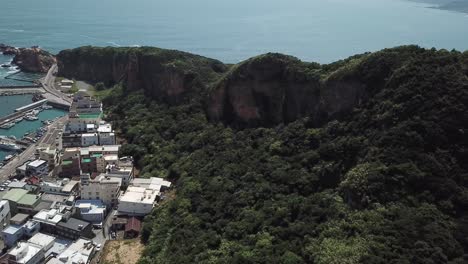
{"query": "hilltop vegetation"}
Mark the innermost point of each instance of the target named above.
(382, 180)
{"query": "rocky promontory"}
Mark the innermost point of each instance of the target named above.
(32, 59)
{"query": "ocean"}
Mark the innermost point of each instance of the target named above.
(313, 30)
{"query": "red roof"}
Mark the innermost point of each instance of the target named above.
(133, 224)
(34, 180)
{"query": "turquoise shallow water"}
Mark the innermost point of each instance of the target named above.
(7, 106)
(313, 30)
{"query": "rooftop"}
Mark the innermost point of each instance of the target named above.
(17, 184)
(48, 216)
(78, 252)
(41, 240)
(29, 199)
(37, 163)
(15, 195)
(139, 195)
(74, 224)
(61, 198)
(19, 219)
(12, 229)
(133, 224)
(24, 252)
(70, 186)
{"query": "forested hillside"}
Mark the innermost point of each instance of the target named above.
(380, 180)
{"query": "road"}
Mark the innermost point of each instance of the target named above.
(49, 137)
(48, 83)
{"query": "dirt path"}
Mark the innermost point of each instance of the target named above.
(122, 251)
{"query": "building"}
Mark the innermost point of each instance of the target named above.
(74, 228)
(37, 168)
(13, 233)
(106, 134)
(123, 172)
(13, 196)
(21, 170)
(49, 153)
(65, 186)
(71, 139)
(45, 242)
(93, 211)
(89, 139)
(27, 203)
(132, 228)
(17, 184)
(19, 219)
(5, 213)
(66, 82)
(48, 219)
(102, 188)
(26, 253)
(79, 251)
(141, 195)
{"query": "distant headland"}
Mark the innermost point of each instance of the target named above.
(32, 59)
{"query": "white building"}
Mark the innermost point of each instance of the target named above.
(140, 197)
(106, 134)
(51, 217)
(123, 172)
(45, 242)
(37, 168)
(5, 213)
(102, 188)
(89, 139)
(93, 211)
(27, 253)
(78, 252)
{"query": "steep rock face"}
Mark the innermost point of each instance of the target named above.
(162, 74)
(265, 90)
(33, 59)
(274, 88)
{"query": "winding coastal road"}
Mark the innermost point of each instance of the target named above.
(53, 94)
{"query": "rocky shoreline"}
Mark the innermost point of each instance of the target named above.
(32, 59)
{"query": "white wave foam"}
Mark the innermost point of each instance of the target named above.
(113, 43)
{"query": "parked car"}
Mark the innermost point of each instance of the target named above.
(98, 247)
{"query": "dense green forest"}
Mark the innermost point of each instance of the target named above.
(384, 183)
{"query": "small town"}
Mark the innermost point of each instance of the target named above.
(73, 192)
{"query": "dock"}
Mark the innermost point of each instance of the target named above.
(31, 106)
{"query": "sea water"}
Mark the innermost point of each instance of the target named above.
(313, 30)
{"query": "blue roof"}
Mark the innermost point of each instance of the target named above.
(12, 229)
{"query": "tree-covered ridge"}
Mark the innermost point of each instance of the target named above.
(385, 183)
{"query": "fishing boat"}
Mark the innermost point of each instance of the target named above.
(17, 120)
(7, 125)
(30, 117)
(7, 158)
(9, 146)
(46, 107)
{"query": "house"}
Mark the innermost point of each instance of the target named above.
(27, 203)
(21, 170)
(102, 188)
(37, 168)
(5, 213)
(89, 139)
(126, 173)
(74, 228)
(13, 196)
(93, 211)
(42, 240)
(27, 253)
(79, 251)
(13, 233)
(132, 228)
(141, 195)
(19, 219)
(49, 153)
(106, 134)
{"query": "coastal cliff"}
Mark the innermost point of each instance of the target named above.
(167, 75)
(32, 59)
(266, 90)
